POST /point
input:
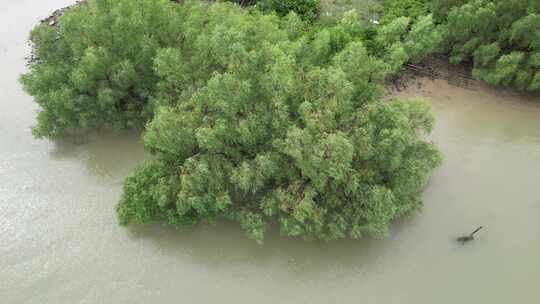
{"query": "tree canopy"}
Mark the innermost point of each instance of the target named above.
(249, 117)
(96, 68)
(393, 9)
(501, 37)
(308, 10)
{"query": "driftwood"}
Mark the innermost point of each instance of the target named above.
(469, 237)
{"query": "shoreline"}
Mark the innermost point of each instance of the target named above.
(52, 19)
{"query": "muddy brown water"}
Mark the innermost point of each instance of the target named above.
(60, 243)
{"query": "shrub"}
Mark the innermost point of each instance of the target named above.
(96, 68)
(393, 9)
(501, 38)
(252, 117)
(308, 10)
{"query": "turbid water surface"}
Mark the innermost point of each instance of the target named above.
(60, 243)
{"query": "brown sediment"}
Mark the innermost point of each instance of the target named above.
(432, 67)
(438, 67)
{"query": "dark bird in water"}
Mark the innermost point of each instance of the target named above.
(467, 238)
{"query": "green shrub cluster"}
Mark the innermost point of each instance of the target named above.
(394, 9)
(97, 67)
(308, 10)
(501, 37)
(250, 117)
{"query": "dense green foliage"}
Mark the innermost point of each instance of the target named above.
(276, 125)
(308, 10)
(403, 39)
(394, 9)
(501, 37)
(97, 68)
(334, 9)
(251, 117)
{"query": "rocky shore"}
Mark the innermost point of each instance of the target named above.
(52, 20)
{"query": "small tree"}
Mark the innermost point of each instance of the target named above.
(96, 68)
